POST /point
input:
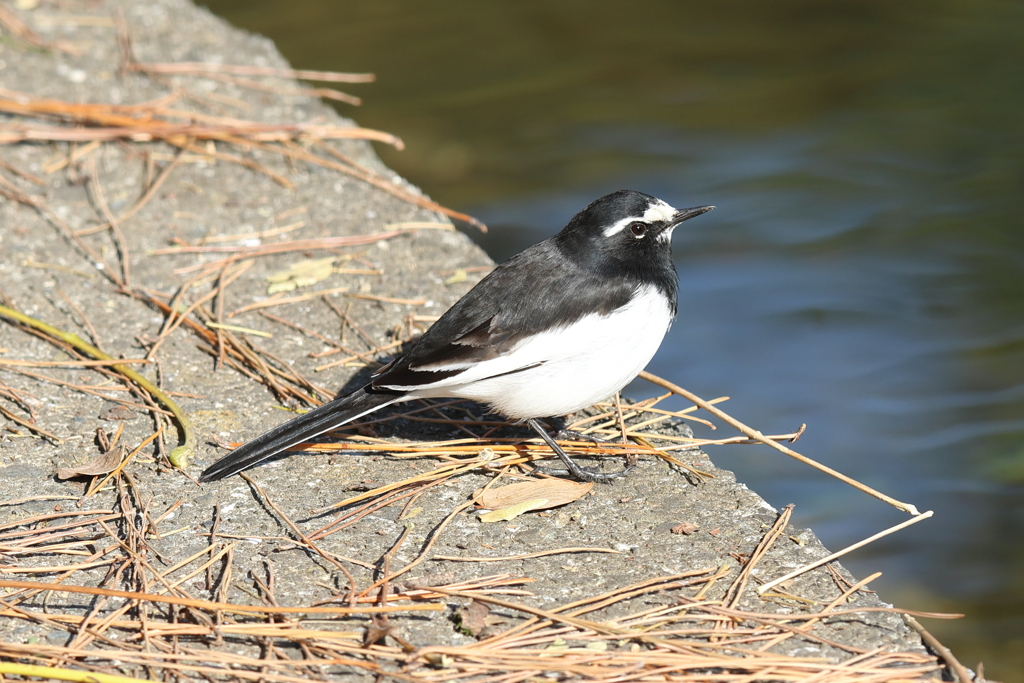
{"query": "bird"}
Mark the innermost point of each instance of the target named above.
(555, 329)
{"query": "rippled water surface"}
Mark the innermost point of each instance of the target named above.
(864, 270)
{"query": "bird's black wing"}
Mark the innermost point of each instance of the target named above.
(534, 291)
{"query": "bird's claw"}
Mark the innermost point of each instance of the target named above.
(586, 474)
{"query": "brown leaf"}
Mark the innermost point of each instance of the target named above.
(512, 511)
(473, 617)
(100, 464)
(118, 412)
(553, 492)
(376, 632)
(459, 276)
(301, 274)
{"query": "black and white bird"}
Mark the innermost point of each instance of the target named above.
(555, 329)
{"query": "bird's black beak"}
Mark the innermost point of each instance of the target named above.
(687, 214)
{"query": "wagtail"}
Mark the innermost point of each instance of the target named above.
(555, 329)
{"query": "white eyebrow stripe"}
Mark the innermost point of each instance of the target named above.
(616, 228)
(659, 211)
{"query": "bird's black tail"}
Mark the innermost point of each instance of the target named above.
(306, 426)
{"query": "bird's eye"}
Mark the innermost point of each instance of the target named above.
(638, 229)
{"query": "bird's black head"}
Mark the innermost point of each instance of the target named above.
(626, 232)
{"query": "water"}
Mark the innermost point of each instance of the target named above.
(864, 270)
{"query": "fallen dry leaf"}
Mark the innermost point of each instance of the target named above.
(473, 617)
(508, 512)
(377, 631)
(118, 412)
(301, 274)
(555, 491)
(103, 463)
(459, 276)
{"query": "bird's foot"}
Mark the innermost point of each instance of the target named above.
(571, 468)
(584, 473)
(573, 435)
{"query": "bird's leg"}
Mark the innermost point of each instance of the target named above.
(563, 434)
(571, 468)
(572, 435)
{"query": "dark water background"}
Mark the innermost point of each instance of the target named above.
(864, 271)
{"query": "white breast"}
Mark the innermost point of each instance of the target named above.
(579, 365)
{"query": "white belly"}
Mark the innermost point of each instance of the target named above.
(579, 365)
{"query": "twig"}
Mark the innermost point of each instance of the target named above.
(735, 591)
(347, 320)
(202, 68)
(24, 174)
(70, 363)
(305, 330)
(101, 201)
(754, 434)
(422, 225)
(273, 232)
(619, 419)
(215, 606)
(31, 425)
(278, 301)
(526, 556)
(279, 248)
(171, 323)
(841, 599)
(218, 327)
(155, 129)
(326, 93)
(14, 194)
(240, 330)
(359, 356)
(423, 553)
(13, 23)
(302, 537)
(388, 299)
(55, 266)
(239, 356)
(62, 674)
(117, 470)
(383, 184)
(234, 159)
(825, 560)
(148, 194)
(389, 497)
(553, 616)
(957, 668)
(85, 319)
(74, 153)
